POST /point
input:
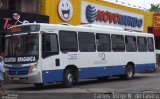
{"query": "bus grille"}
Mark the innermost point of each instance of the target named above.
(18, 70)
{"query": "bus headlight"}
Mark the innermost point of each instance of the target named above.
(32, 68)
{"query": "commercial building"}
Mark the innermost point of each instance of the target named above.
(77, 12)
(14, 12)
(96, 12)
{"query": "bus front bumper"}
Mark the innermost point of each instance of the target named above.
(30, 78)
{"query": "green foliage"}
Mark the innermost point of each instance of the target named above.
(155, 8)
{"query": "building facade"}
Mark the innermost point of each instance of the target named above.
(15, 12)
(96, 12)
(75, 12)
(30, 6)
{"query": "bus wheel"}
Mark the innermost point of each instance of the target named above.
(39, 85)
(129, 73)
(68, 78)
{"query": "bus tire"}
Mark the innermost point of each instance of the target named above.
(129, 72)
(68, 78)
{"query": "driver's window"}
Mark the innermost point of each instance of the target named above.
(49, 45)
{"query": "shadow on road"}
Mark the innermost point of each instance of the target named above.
(86, 82)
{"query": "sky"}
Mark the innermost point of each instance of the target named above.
(139, 3)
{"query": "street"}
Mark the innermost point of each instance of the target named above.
(142, 83)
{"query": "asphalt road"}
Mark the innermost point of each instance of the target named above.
(88, 89)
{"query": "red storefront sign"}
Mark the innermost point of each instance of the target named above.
(156, 24)
(12, 18)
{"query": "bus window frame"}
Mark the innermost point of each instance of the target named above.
(148, 44)
(50, 53)
(140, 45)
(134, 46)
(99, 43)
(86, 41)
(72, 33)
(118, 43)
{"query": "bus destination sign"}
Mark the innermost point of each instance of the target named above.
(20, 59)
(16, 29)
(23, 29)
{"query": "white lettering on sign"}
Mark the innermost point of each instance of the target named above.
(26, 59)
(11, 59)
(20, 59)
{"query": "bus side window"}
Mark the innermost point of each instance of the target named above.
(86, 42)
(142, 44)
(118, 43)
(49, 45)
(131, 44)
(68, 41)
(103, 42)
(150, 44)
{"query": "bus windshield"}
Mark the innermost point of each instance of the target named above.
(22, 45)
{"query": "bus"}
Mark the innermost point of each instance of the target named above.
(39, 54)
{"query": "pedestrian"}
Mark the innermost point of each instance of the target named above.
(2, 74)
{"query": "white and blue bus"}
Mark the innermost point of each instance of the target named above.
(46, 53)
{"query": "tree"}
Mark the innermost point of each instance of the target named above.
(155, 8)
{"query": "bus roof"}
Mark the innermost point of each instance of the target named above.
(87, 28)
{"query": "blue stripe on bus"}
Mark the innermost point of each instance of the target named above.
(92, 72)
(101, 71)
(52, 75)
(140, 68)
(18, 70)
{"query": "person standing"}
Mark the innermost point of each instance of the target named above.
(2, 73)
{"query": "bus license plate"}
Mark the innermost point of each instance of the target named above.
(16, 78)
